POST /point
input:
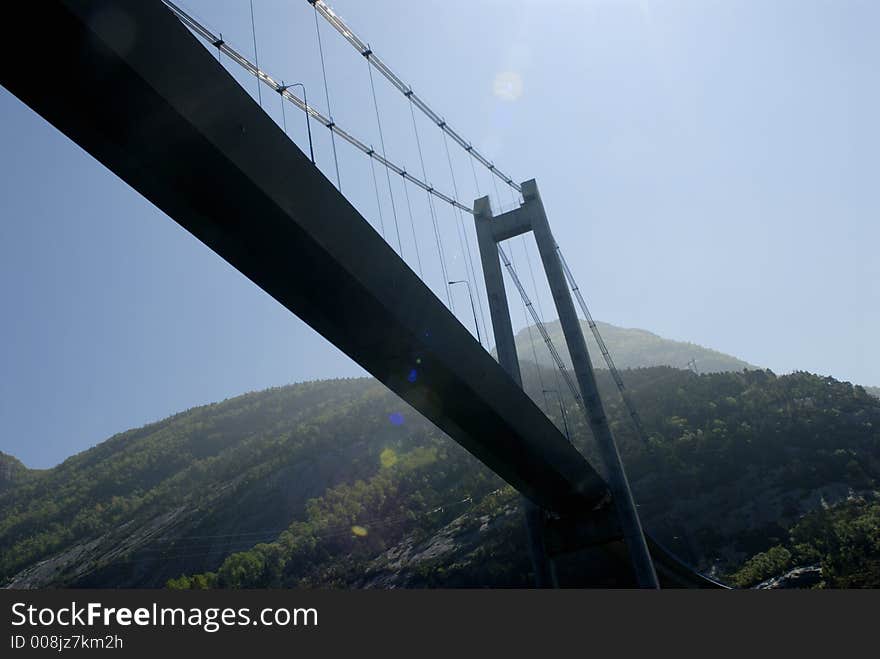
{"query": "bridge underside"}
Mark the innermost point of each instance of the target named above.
(129, 84)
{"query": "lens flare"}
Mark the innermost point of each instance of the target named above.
(508, 86)
(388, 458)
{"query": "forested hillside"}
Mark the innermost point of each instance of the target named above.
(12, 471)
(338, 483)
(836, 546)
(227, 471)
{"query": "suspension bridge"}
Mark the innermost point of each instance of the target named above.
(146, 89)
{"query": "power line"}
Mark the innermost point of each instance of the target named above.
(540, 325)
(535, 358)
(476, 182)
(463, 236)
(497, 195)
(525, 247)
(256, 55)
(378, 202)
(615, 374)
(529, 329)
(367, 54)
(412, 226)
(283, 114)
(329, 123)
(481, 284)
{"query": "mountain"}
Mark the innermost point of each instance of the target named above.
(629, 348)
(224, 473)
(874, 391)
(340, 484)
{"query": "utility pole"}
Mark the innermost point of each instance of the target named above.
(283, 88)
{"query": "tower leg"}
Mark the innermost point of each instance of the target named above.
(506, 347)
(574, 338)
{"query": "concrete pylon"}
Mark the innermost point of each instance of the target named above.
(531, 216)
(506, 347)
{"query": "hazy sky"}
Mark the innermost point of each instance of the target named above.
(710, 169)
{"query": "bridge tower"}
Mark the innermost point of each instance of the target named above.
(491, 230)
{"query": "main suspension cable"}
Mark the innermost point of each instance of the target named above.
(205, 33)
(348, 34)
(437, 237)
(330, 16)
(271, 82)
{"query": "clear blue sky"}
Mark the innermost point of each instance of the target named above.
(710, 168)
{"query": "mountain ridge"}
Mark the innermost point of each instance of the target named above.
(320, 484)
(629, 348)
(13, 471)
